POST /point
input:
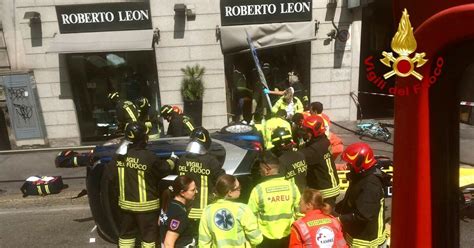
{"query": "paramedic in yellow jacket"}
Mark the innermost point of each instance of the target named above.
(227, 223)
(275, 202)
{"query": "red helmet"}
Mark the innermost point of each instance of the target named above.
(177, 109)
(315, 124)
(359, 156)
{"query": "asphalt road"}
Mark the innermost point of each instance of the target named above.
(51, 221)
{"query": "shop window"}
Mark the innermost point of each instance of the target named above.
(245, 96)
(94, 75)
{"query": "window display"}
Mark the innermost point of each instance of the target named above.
(94, 76)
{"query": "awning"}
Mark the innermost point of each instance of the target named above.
(234, 38)
(134, 40)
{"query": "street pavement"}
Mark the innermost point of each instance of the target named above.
(73, 216)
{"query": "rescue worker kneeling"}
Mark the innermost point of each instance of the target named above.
(318, 228)
(275, 203)
(227, 223)
(137, 172)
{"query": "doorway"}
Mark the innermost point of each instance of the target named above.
(244, 91)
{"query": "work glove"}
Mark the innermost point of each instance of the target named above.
(173, 156)
(266, 91)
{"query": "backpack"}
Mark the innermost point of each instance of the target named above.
(42, 185)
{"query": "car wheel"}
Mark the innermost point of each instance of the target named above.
(237, 128)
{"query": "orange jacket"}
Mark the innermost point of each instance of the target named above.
(317, 229)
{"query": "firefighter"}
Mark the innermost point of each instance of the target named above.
(179, 124)
(175, 230)
(318, 228)
(125, 111)
(316, 108)
(336, 147)
(275, 203)
(322, 174)
(362, 209)
(288, 102)
(177, 109)
(297, 129)
(227, 223)
(278, 120)
(293, 163)
(137, 172)
(147, 115)
(143, 107)
(203, 168)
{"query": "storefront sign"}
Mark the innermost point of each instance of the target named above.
(103, 17)
(240, 12)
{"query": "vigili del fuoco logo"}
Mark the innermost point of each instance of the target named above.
(404, 44)
(402, 65)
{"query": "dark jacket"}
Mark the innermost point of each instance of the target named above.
(180, 125)
(204, 170)
(322, 174)
(294, 167)
(362, 209)
(138, 174)
(175, 219)
(126, 112)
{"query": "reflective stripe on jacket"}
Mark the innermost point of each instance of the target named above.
(272, 124)
(138, 174)
(204, 170)
(275, 203)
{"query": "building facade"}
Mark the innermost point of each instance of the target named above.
(70, 54)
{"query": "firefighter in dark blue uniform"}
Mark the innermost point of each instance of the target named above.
(322, 174)
(203, 168)
(362, 209)
(125, 111)
(179, 124)
(147, 115)
(293, 164)
(136, 172)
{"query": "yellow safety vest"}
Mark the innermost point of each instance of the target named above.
(281, 104)
(275, 202)
(271, 125)
(228, 224)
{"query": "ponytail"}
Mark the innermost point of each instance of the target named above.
(180, 184)
(315, 198)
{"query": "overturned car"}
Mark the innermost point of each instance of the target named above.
(236, 147)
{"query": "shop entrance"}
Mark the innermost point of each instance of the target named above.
(94, 75)
(243, 87)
